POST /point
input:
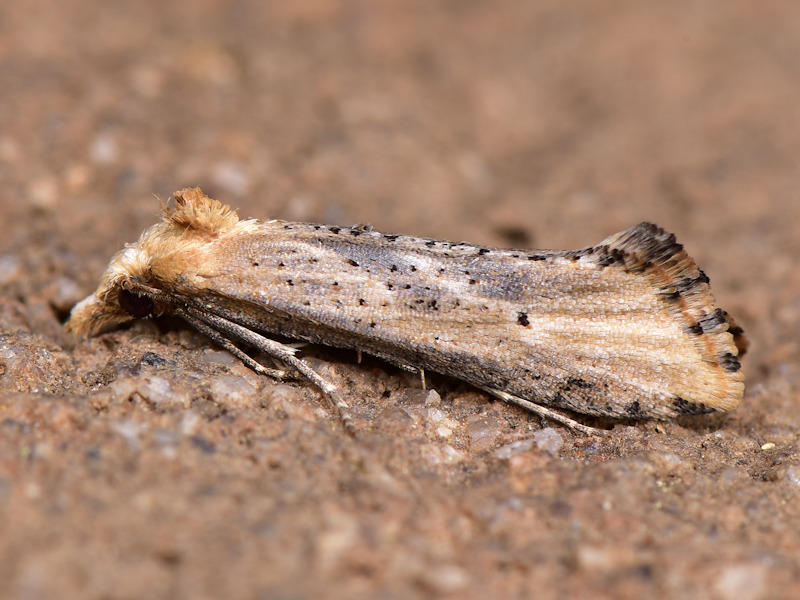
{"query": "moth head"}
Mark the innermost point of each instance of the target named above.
(176, 254)
(120, 297)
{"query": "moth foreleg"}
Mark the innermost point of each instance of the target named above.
(542, 411)
(286, 354)
(224, 343)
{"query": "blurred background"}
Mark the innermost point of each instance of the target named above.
(537, 124)
(533, 123)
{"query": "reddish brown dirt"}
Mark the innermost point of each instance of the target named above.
(146, 464)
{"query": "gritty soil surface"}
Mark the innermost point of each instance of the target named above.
(146, 463)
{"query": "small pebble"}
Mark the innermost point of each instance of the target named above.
(548, 440)
(514, 448)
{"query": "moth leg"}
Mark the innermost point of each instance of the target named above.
(418, 370)
(542, 411)
(224, 343)
(282, 352)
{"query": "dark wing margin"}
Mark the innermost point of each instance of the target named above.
(654, 253)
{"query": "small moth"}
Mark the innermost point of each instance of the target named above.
(624, 329)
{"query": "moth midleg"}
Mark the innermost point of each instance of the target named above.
(542, 411)
(416, 370)
(281, 352)
(224, 343)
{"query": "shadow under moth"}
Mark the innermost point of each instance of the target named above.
(624, 329)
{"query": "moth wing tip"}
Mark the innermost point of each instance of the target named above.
(651, 251)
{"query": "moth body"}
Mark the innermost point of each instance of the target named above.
(627, 328)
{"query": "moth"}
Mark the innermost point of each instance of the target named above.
(626, 329)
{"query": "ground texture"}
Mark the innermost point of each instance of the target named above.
(145, 463)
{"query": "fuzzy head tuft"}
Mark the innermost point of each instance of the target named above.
(172, 256)
(196, 211)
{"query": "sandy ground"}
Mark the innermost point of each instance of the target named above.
(145, 463)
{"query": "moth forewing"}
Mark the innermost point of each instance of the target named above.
(627, 328)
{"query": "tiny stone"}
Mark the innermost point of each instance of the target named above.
(156, 389)
(43, 193)
(410, 396)
(104, 149)
(437, 454)
(282, 392)
(514, 448)
(232, 389)
(482, 430)
(219, 357)
(129, 430)
(548, 440)
(434, 414)
(159, 391)
(595, 558)
(452, 455)
(122, 388)
(745, 581)
(790, 474)
(446, 579)
(733, 475)
(10, 267)
(190, 422)
(433, 398)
